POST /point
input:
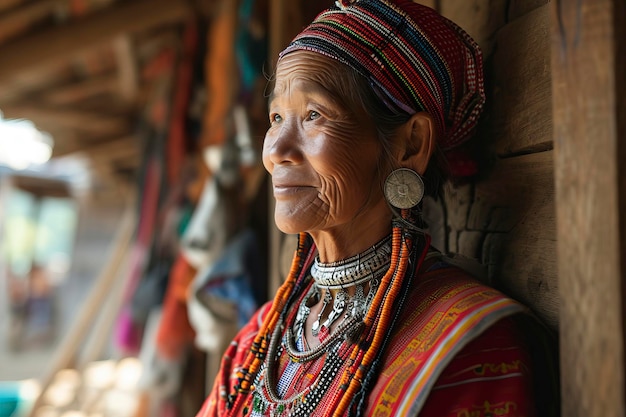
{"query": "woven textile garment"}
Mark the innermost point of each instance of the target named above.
(456, 352)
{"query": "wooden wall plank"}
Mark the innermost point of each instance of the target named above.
(480, 18)
(430, 3)
(511, 230)
(523, 262)
(520, 108)
(516, 188)
(589, 77)
(518, 8)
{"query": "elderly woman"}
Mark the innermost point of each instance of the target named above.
(367, 101)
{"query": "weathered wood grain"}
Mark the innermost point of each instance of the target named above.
(480, 18)
(523, 262)
(589, 77)
(518, 8)
(521, 114)
(517, 187)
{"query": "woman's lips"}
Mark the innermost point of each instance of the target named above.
(286, 190)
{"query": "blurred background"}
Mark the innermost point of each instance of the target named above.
(133, 204)
(136, 227)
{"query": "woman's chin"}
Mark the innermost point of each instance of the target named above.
(294, 218)
(287, 227)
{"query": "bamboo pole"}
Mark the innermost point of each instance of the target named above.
(66, 352)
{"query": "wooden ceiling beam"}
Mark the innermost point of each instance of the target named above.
(21, 18)
(41, 186)
(111, 149)
(75, 119)
(78, 91)
(63, 42)
(8, 4)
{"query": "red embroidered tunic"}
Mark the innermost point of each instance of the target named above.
(454, 353)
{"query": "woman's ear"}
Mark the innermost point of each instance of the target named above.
(417, 141)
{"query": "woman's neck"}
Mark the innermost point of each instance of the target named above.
(335, 246)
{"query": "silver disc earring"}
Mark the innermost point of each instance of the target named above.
(404, 188)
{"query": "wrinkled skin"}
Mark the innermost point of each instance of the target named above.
(326, 162)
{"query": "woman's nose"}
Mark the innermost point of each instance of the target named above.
(281, 145)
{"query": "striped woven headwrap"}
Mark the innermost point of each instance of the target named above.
(415, 59)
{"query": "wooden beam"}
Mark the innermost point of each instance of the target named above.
(45, 187)
(68, 94)
(63, 42)
(589, 77)
(76, 119)
(119, 147)
(21, 19)
(7, 4)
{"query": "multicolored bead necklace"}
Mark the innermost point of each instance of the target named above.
(350, 361)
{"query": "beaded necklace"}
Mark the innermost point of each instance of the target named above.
(371, 264)
(351, 364)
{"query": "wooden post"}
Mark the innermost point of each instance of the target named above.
(589, 77)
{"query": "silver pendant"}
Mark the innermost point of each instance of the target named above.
(338, 306)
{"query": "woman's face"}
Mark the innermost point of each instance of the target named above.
(325, 159)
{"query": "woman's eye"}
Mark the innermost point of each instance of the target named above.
(314, 115)
(275, 118)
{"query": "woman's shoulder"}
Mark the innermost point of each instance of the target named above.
(444, 311)
(448, 290)
(453, 330)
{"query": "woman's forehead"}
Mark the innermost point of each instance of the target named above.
(304, 73)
